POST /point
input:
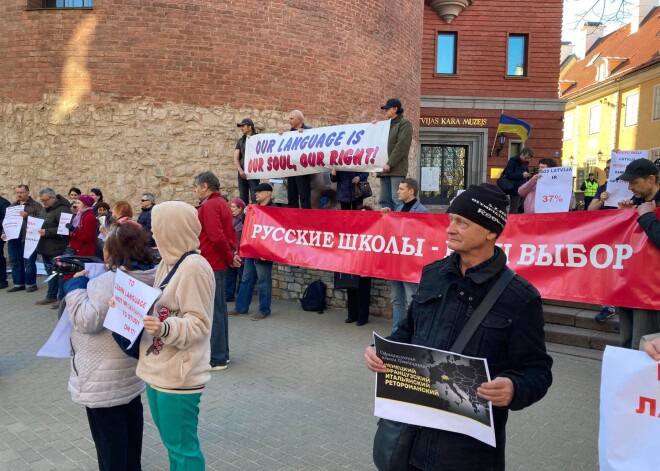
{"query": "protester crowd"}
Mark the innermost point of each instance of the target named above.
(192, 256)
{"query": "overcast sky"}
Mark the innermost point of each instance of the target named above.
(574, 9)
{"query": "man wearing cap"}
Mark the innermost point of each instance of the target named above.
(510, 337)
(299, 187)
(216, 243)
(642, 178)
(245, 187)
(256, 272)
(590, 187)
(398, 147)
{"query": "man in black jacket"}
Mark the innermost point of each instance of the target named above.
(517, 170)
(510, 337)
(51, 243)
(4, 204)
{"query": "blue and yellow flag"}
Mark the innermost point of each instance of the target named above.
(515, 126)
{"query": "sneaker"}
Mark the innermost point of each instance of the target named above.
(257, 317)
(220, 367)
(31, 289)
(16, 288)
(43, 302)
(604, 314)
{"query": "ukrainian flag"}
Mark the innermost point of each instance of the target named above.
(515, 126)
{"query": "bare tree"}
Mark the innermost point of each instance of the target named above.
(606, 11)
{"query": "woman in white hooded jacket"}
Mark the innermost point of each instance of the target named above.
(102, 376)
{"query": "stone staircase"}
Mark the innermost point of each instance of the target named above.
(570, 328)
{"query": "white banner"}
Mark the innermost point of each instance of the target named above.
(133, 300)
(32, 235)
(629, 422)
(13, 222)
(58, 344)
(554, 190)
(618, 190)
(65, 218)
(350, 147)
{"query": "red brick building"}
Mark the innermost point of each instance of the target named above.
(495, 56)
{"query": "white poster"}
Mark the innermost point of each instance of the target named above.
(618, 190)
(554, 190)
(65, 218)
(433, 388)
(350, 147)
(430, 179)
(13, 222)
(32, 235)
(133, 299)
(58, 344)
(629, 422)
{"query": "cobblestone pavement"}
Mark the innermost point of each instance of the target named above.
(295, 397)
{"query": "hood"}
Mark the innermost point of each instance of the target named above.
(59, 201)
(176, 229)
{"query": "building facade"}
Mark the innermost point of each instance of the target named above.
(494, 57)
(613, 94)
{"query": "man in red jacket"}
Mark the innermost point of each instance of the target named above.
(217, 243)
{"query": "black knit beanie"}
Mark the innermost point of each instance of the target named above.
(483, 204)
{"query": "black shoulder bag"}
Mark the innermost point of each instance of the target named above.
(394, 441)
(122, 342)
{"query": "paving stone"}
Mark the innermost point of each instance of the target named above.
(295, 397)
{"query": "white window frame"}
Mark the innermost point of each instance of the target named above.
(594, 119)
(655, 110)
(632, 110)
(568, 126)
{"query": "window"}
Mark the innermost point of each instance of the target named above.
(632, 109)
(446, 54)
(514, 147)
(654, 153)
(446, 172)
(601, 72)
(68, 3)
(516, 56)
(568, 127)
(656, 102)
(594, 119)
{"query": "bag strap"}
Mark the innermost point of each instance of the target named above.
(174, 269)
(484, 307)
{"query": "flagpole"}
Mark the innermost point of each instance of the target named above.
(495, 138)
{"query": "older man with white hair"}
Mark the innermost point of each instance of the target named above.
(299, 187)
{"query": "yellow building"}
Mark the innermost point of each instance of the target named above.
(613, 95)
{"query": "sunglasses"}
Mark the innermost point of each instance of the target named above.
(144, 201)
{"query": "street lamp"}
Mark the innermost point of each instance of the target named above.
(501, 140)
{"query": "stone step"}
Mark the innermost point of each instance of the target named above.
(574, 351)
(583, 318)
(580, 337)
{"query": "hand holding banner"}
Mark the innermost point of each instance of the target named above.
(133, 300)
(32, 235)
(554, 190)
(351, 147)
(65, 218)
(13, 222)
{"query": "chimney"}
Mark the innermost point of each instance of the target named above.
(592, 32)
(639, 9)
(566, 50)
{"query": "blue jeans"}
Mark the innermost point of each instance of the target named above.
(220, 330)
(55, 284)
(255, 272)
(23, 270)
(246, 188)
(401, 296)
(233, 276)
(388, 188)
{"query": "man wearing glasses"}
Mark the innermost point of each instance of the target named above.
(52, 244)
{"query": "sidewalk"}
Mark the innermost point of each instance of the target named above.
(295, 397)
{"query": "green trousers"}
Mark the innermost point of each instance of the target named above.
(176, 417)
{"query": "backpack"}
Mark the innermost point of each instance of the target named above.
(313, 299)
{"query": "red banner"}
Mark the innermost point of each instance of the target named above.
(596, 257)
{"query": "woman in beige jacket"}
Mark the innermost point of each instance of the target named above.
(175, 345)
(102, 376)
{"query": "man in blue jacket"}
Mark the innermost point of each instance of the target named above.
(510, 337)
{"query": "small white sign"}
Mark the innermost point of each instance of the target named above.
(65, 218)
(617, 189)
(554, 190)
(430, 179)
(13, 222)
(32, 236)
(133, 300)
